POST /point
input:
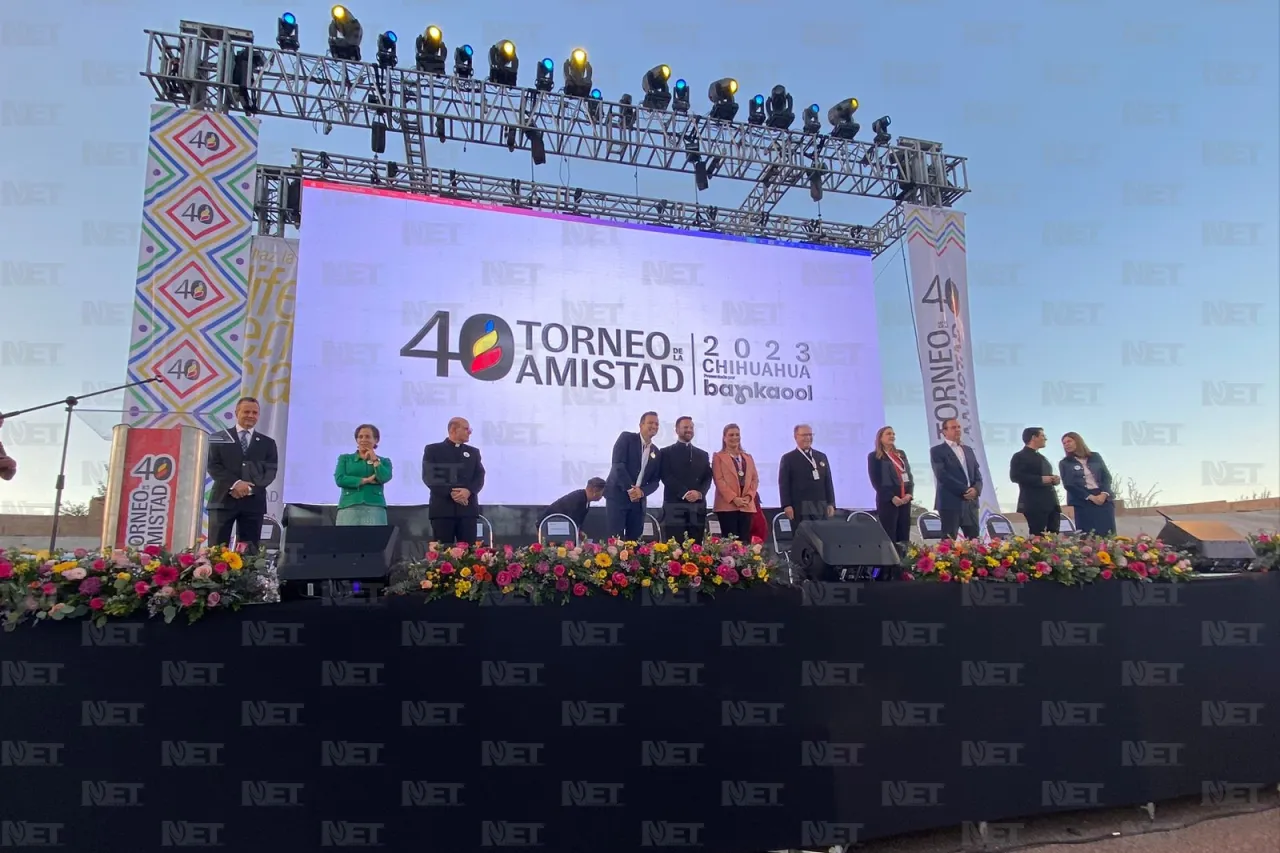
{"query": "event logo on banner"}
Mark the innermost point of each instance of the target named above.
(193, 269)
(940, 303)
(268, 345)
(149, 488)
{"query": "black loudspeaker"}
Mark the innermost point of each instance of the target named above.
(337, 553)
(1214, 546)
(842, 550)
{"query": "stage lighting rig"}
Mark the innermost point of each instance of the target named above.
(387, 50)
(680, 97)
(593, 104)
(463, 58)
(780, 109)
(345, 35)
(755, 110)
(504, 65)
(881, 129)
(430, 51)
(546, 80)
(287, 32)
(812, 124)
(841, 117)
(721, 93)
(657, 96)
(577, 74)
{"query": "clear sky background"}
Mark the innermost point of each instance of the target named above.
(1123, 227)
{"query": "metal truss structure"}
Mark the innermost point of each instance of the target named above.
(277, 202)
(217, 68)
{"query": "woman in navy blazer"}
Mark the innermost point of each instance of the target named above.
(1088, 483)
(890, 475)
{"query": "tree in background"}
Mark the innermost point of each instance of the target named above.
(1132, 494)
(81, 510)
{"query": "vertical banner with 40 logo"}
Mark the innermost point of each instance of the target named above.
(193, 270)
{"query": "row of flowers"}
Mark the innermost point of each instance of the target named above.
(563, 571)
(119, 583)
(38, 586)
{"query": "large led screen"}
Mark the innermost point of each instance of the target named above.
(553, 333)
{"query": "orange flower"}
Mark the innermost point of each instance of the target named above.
(689, 569)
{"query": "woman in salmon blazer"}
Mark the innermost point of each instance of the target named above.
(737, 481)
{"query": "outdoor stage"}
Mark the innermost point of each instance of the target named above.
(767, 719)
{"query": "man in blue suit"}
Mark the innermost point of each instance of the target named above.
(635, 474)
(958, 482)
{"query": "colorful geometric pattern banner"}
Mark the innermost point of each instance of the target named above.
(940, 305)
(193, 269)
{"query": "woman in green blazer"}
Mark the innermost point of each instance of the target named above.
(361, 476)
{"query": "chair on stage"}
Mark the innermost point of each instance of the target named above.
(783, 536)
(999, 527)
(713, 525)
(269, 538)
(857, 512)
(1066, 527)
(930, 526)
(484, 531)
(652, 530)
(558, 527)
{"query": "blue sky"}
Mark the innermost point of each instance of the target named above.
(1123, 160)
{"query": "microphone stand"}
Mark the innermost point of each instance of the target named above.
(70, 403)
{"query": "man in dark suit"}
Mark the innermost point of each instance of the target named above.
(805, 487)
(241, 470)
(686, 477)
(634, 474)
(957, 481)
(576, 503)
(454, 476)
(1037, 495)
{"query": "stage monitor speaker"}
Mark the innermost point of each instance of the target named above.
(843, 550)
(1213, 546)
(338, 553)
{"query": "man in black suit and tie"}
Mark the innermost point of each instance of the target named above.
(1037, 495)
(957, 482)
(686, 477)
(805, 487)
(241, 470)
(576, 503)
(454, 476)
(633, 475)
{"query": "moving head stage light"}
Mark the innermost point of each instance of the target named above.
(287, 32)
(812, 124)
(387, 49)
(656, 94)
(546, 80)
(680, 97)
(780, 109)
(721, 93)
(755, 111)
(881, 129)
(462, 62)
(345, 35)
(504, 65)
(430, 51)
(841, 117)
(577, 74)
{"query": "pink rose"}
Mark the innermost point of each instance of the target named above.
(203, 572)
(90, 586)
(446, 568)
(1021, 577)
(141, 588)
(558, 571)
(6, 569)
(562, 585)
(96, 604)
(982, 573)
(99, 564)
(185, 560)
(1000, 573)
(76, 574)
(152, 550)
(536, 548)
(503, 579)
(944, 576)
(579, 589)
(187, 597)
(48, 589)
(165, 592)
(220, 568)
(1106, 574)
(696, 580)
(81, 553)
(213, 600)
(542, 568)
(619, 577)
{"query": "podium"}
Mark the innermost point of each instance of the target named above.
(155, 488)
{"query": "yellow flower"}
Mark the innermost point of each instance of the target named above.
(462, 586)
(646, 582)
(992, 561)
(602, 574)
(466, 573)
(62, 567)
(764, 576)
(603, 560)
(122, 576)
(661, 547)
(717, 580)
(153, 565)
(41, 555)
(560, 552)
(233, 561)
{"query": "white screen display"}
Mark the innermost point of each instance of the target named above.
(552, 333)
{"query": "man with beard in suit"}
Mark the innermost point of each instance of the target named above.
(633, 475)
(805, 487)
(241, 470)
(686, 476)
(454, 475)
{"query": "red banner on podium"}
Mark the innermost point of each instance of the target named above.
(150, 489)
